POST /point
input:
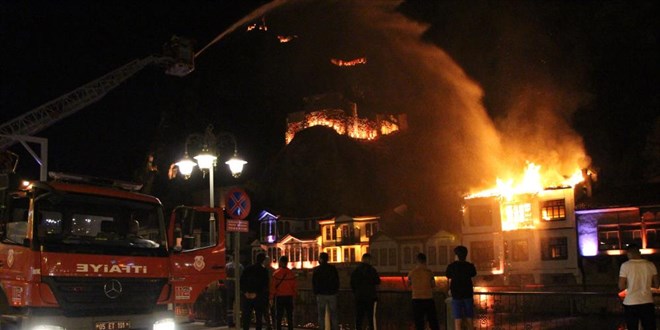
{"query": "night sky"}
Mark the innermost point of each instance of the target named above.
(592, 65)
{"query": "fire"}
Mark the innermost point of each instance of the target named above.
(260, 27)
(337, 62)
(531, 182)
(285, 39)
(353, 126)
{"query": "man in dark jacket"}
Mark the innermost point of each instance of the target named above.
(460, 274)
(364, 280)
(254, 288)
(325, 284)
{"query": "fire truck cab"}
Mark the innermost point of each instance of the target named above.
(78, 253)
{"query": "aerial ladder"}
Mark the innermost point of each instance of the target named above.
(177, 58)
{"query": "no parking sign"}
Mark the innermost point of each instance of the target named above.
(237, 203)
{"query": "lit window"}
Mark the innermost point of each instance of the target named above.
(517, 216)
(554, 248)
(553, 210)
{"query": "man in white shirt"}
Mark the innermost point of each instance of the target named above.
(638, 276)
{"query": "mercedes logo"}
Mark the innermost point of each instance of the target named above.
(112, 289)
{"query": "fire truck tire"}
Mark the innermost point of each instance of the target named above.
(5, 324)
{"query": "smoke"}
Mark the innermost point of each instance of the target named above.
(456, 138)
(453, 140)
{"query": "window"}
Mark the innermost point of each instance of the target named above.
(371, 229)
(332, 254)
(442, 255)
(432, 255)
(374, 256)
(608, 238)
(274, 253)
(268, 233)
(517, 216)
(480, 215)
(483, 255)
(392, 256)
(383, 257)
(554, 248)
(653, 236)
(406, 255)
(415, 252)
(313, 253)
(631, 234)
(349, 254)
(519, 250)
(330, 233)
(553, 210)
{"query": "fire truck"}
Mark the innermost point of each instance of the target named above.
(86, 253)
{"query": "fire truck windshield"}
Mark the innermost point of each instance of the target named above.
(77, 223)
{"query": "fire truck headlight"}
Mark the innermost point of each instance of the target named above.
(48, 327)
(164, 324)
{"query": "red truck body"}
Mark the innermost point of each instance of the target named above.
(80, 256)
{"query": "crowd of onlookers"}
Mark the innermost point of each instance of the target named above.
(270, 294)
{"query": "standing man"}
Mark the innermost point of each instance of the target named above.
(422, 283)
(254, 288)
(269, 312)
(364, 281)
(283, 289)
(460, 274)
(325, 284)
(638, 276)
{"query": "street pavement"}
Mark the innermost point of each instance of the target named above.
(201, 326)
(197, 326)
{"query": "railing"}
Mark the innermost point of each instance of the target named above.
(493, 310)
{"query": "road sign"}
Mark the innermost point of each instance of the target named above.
(234, 225)
(237, 203)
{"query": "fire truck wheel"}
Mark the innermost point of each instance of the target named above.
(4, 309)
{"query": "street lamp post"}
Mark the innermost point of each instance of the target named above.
(206, 160)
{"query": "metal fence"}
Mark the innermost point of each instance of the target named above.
(493, 310)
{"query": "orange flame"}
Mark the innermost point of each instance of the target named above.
(354, 127)
(285, 39)
(531, 182)
(337, 62)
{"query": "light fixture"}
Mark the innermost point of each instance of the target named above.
(236, 166)
(186, 166)
(205, 159)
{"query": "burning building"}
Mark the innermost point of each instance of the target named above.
(333, 111)
(522, 234)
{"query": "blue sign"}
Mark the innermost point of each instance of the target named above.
(237, 204)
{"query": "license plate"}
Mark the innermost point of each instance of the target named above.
(113, 325)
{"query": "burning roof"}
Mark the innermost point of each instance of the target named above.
(354, 62)
(343, 124)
